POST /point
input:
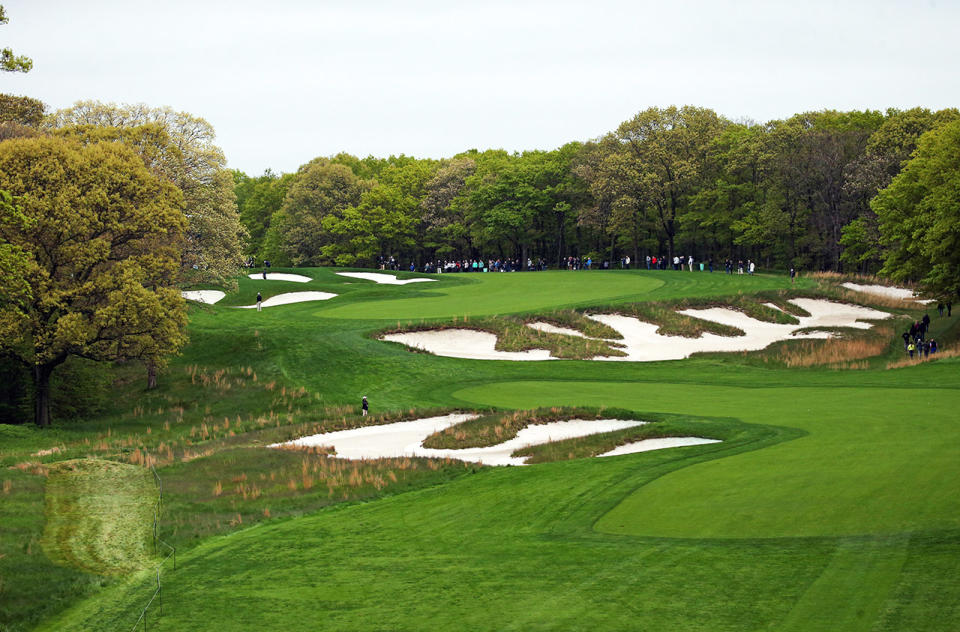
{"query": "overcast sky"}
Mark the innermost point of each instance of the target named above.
(288, 80)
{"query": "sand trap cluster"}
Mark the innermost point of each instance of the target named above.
(405, 439)
(886, 290)
(377, 277)
(291, 297)
(642, 343)
(203, 296)
(280, 276)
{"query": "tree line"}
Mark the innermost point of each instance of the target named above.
(817, 191)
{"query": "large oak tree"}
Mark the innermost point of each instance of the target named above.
(95, 244)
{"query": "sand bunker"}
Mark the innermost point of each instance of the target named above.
(405, 439)
(291, 297)
(657, 444)
(553, 329)
(281, 276)
(463, 343)
(642, 343)
(203, 296)
(885, 290)
(377, 277)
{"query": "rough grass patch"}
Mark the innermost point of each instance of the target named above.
(99, 516)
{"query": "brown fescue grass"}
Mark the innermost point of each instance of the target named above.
(876, 300)
(32, 467)
(834, 280)
(908, 361)
(838, 351)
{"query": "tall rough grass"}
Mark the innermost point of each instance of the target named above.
(835, 351)
(908, 361)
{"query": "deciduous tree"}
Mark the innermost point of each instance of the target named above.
(320, 189)
(97, 243)
(669, 148)
(180, 147)
(919, 216)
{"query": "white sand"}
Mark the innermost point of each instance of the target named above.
(553, 329)
(378, 277)
(885, 290)
(463, 343)
(405, 439)
(291, 297)
(657, 444)
(386, 441)
(203, 296)
(642, 343)
(281, 276)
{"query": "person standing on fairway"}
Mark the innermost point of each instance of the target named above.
(364, 405)
(259, 301)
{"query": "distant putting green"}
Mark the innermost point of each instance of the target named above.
(491, 293)
(875, 461)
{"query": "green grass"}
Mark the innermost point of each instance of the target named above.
(99, 516)
(830, 504)
(874, 462)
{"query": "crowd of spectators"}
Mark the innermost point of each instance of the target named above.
(651, 262)
(915, 341)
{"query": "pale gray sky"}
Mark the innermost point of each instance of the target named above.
(288, 80)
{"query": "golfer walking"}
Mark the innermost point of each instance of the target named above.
(364, 405)
(259, 301)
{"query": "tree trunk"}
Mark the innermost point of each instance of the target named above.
(151, 375)
(41, 390)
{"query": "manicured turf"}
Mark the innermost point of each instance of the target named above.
(876, 461)
(830, 505)
(492, 293)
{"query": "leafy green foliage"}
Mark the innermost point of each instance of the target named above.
(21, 110)
(257, 200)
(919, 215)
(180, 148)
(98, 252)
(9, 62)
(322, 189)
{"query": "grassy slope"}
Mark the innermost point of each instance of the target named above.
(520, 542)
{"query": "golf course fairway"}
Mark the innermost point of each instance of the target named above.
(829, 503)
